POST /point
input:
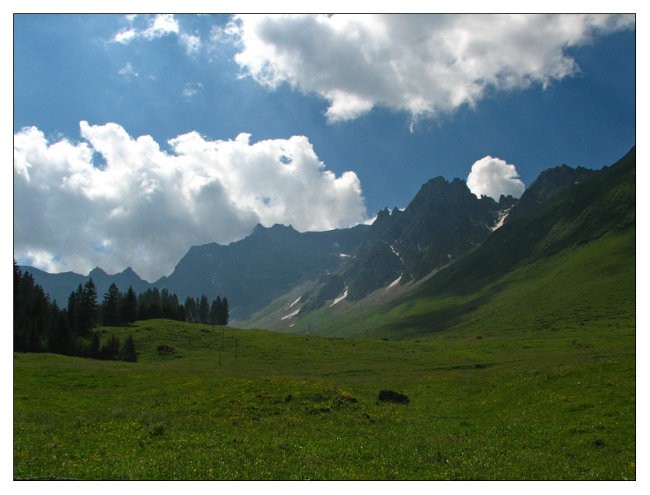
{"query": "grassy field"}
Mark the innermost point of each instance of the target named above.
(531, 379)
(558, 406)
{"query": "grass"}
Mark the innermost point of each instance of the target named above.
(533, 378)
(297, 407)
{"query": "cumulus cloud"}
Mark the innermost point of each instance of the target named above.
(161, 25)
(144, 207)
(494, 177)
(422, 64)
(156, 27)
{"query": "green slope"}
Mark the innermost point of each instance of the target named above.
(588, 285)
(582, 285)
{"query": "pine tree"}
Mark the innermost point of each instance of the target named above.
(149, 304)
(88, 308)
(155, 308)
(110, 306)
(215, 311)
(19, 320)
(34, 315)
(166, 304)
(129, 307)
(142, 308)
(61, 340)
(204, 310)
(224, 312)
(128, 352)
(74, 310)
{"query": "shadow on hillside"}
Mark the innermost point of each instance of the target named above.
(437, 319)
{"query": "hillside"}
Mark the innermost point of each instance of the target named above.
(563, 228)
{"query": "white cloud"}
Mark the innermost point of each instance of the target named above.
(156, 27)
(161, 25)
(494, 177)
(127, 71)
(192, 89)
(191, 42)
(125, 36)
(146, 206)
(422, 64)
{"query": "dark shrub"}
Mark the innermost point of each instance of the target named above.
(390, 396)
(165, 350)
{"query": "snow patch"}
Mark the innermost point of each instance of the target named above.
(291, 315)
(343, 255)
(502, 219)
(294, 303)
(394, 282)
(396, 253)
(340, 298)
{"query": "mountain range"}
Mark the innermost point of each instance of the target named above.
(564, 209)
(445, 241)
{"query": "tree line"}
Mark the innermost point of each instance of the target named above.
(200, 310)
(41, 326)
(119, 308)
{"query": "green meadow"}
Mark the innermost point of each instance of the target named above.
(534, 379)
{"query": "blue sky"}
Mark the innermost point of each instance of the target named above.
(317, 122)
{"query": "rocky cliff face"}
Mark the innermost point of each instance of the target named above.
(549, 183)
(442, 222)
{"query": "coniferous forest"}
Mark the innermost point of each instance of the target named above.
(41, 326)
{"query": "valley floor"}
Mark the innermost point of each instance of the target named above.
(245, 404)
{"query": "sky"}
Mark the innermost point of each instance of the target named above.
(138, 136)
